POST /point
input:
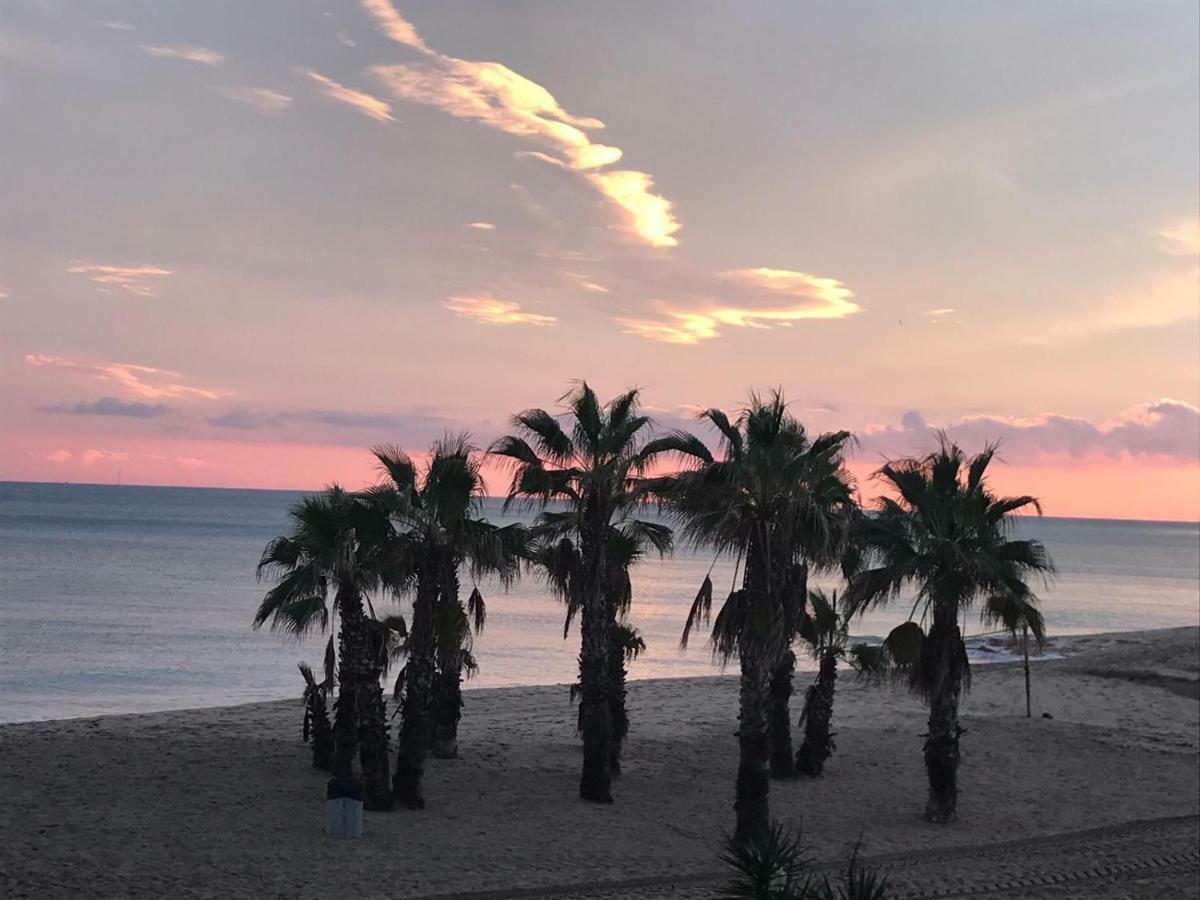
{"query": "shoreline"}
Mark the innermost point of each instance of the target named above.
(1067, 647)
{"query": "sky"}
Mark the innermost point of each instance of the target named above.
(241, 243)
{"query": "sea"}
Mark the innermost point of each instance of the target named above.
(125, 599)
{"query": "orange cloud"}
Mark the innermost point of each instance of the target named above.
(492, 93)
(762, 298)
(134, 280)
(265, 100)
(365, 103)
(488, 310)
(1181, 237)
(142, 381)
(201, 55)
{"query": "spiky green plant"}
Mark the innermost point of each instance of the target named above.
(590, 465)
(780, 503)
(947, 535)
(826, 634)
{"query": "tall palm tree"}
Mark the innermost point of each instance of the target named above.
(335, 546)
(779, 502)
(591, 466)
(827, 634)
(947, 535)
(436, 530)
(561, 564)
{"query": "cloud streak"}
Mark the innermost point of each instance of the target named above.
(185, 52)
(109, 406)
(134, 280)
(757, 298)
(265, 100)
(1167, 429)
(367, 104)
(488, 310)
(142, 381)
(495, 95)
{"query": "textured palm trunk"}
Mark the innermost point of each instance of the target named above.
(448, 709)
(941, 745)
(373, 743)
(352, 650)
(817, 745)
(783, 763)
(757, 657)
(416, 711)
(616, 701)
(752, 803)
(322, 735)
(595, 714)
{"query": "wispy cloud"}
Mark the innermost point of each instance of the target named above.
(492, 93)
(760, 298)
(1165, 428)
(142, 381)
(482, 226)
(941, 313)
(367, 104)
(1181, 237)
(188, 53)
(115, 25)
(92, 456)
(59, 456)
(488, 310)
(109, 406)
(135, 280)
(265, 100)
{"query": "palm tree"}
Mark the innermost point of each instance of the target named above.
(335, 545)
(561, 564)
(591, 467)
(946, 534)
(316, 711)
(779, 502)
(436, 530)
(827, 635)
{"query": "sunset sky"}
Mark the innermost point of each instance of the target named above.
(240, 242)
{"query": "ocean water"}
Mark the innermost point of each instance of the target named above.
(130, 599)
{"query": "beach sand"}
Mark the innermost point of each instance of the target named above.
(1101, 800)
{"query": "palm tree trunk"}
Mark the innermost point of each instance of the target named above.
(595, 714)
(373, 743)
(448, 708)
(415, 727)
(941, 745)
(782, 761)
(616, 701)
(351, 654)
(817, 745)
(322, 735)
(752, 804)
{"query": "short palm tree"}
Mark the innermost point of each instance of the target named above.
(335, 546)
(590, 466)
(317, 727)
(827, 634)
(779, 502)
(436, 530)
(947, 535)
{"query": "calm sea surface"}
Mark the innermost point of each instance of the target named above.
(130, 599)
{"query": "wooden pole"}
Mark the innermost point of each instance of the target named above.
(1025, 648)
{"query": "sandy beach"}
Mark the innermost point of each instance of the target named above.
(1100, 800)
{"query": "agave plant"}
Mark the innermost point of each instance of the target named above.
(773, 865)
(946, 534)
